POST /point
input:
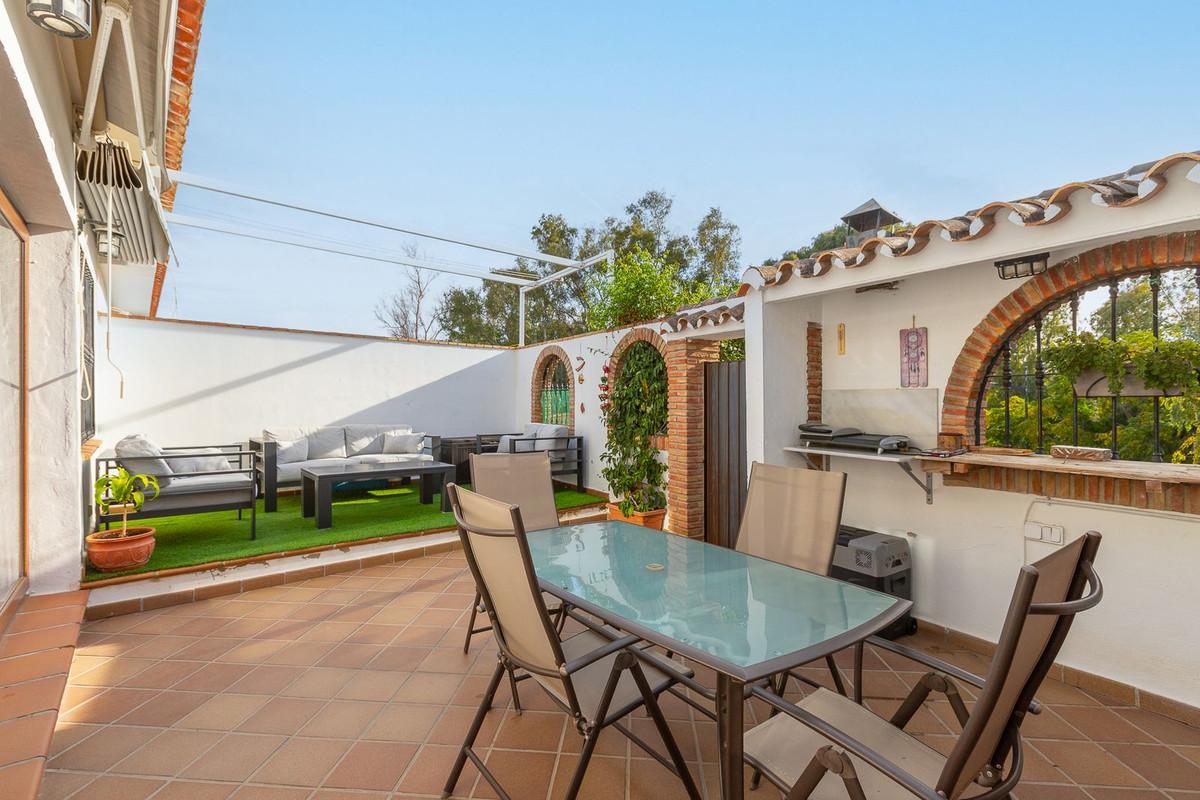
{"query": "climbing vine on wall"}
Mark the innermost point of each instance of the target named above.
(635, 410)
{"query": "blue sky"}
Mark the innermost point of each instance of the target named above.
(474, 118)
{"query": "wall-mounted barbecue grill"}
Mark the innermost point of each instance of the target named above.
(818, 434)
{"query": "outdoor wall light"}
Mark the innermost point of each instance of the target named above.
(106, 245)
(69, 18)
(1023, 267)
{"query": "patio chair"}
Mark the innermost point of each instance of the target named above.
(522, 480)
(827, 746)
(596, 676)
(792, 516)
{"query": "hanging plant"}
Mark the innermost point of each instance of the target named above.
(1166, 365)
(634, 406)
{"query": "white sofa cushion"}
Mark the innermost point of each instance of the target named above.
(290, 473)
(390, 458)
(291, 444)
(139, 455)
(327, 442)
(364, 439)
(401, 443)
(207, 459)
(196, 484)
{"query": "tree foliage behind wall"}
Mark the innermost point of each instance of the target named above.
(658, 268)
(634, 411)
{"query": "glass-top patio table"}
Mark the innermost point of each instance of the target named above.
(744, 617)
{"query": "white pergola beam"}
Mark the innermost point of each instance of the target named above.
(198, 182)
(345, 250)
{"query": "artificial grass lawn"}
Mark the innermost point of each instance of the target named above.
(192, 539)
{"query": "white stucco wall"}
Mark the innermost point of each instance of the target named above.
(203, 384)
(969, 544)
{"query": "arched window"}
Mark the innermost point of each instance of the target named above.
(555, 397)
(552, 389)
(1025, 402)
(642, 370)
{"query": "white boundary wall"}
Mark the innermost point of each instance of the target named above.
(188, 383)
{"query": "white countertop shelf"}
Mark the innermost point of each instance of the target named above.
(901, 460)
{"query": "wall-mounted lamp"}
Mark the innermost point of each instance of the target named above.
(1023, 267)
(69, 18)
(106, 244)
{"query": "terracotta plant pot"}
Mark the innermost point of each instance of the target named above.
(647, 519)
(109, 551)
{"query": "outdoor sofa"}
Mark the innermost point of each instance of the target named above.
(191, 480)
(565, 450)
(283, 452)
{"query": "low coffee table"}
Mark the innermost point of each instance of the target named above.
(316, 483)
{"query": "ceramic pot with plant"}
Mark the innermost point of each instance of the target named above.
(635, 410)
(124, 548)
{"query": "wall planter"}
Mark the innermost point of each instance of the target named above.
(646, 519)
(114, 551)
(1094, 383)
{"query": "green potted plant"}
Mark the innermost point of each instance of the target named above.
(634, 406)
(1134, 365)
(125, 548)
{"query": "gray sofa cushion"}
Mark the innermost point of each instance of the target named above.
(196, 484)
(402, 443)
(291, 444)
(290, 473)
(208, 459)
(362, 439)
(537, 438)
(138, 454)
(390, 458)
(327, 443)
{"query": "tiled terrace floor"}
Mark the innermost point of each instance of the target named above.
(354, 687)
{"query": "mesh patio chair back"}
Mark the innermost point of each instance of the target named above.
(1047, 597)
(792, 516)
(518, 479)
(493, 537)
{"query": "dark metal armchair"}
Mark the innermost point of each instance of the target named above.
(566, 452)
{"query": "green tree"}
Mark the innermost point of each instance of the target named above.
(825, 240)
(638, 287)
(700, 265)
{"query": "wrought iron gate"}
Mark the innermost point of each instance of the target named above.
(724, 450)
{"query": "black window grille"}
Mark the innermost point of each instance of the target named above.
(556, 393)
(1025, 404)
(87, 396)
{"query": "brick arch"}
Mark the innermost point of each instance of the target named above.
(614, 367)
(1122, 259)
(536, 383)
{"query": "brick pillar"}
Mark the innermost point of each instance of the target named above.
(685, 428)
(814, 371)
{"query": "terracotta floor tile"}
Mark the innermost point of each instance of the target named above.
(348, 794)
(372, 765)
(35, 665)
(353, 656)
(419, 636)
(119, 787)
(285, 715)
(37, 602)
(69, 734)
(222, 712)
(604, 779)
(42, 694)
(26, 737)
(167, 647)
(373, 684)
(331, 632)
(167, 708)
(1159, 765)
(212, 677)
(269, 793)
(1049, 791)
(103, 750)
(208, 649)
(1106, 793)
(15, 644)
(1167, 731)
(302, 762)
(269, 679)
(301, 654)
(375, 634)
(402, 658)
(404, 723)
(60, 785)
(18, 780)
(1101, 724)
(319, 682)
(74, 696)
(235, 757)
(168, 754)
(342, 719)
(522, 774)
(451, 728)
(194, 790)
(428, 771)
(1087, 763)
(1049, 725)
(532, 730)
(161, 675)
(46, 618)
(255, 651)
